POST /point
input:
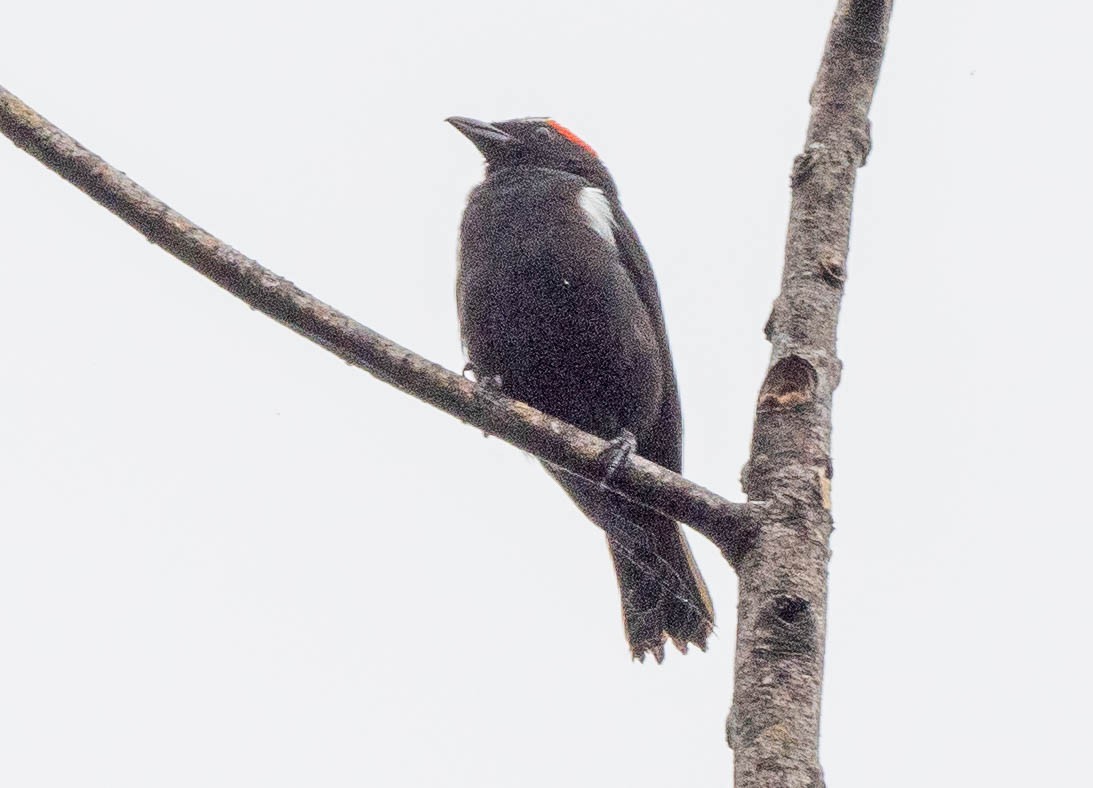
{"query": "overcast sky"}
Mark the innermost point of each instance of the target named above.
(229, 559)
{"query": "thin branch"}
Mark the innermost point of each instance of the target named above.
(731, 526)
(775, 722)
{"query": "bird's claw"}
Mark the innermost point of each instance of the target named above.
(489, 382)
(487, 386)
(618, 450)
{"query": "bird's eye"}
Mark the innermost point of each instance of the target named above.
(544, 132)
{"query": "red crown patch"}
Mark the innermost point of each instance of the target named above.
(569, 135)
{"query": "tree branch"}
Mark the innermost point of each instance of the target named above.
(731, 526)
(775, 721)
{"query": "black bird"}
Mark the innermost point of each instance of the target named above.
(559, 308)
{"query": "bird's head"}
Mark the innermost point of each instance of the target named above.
(534, 142)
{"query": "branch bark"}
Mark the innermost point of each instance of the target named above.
(774, 724)
(731, 526)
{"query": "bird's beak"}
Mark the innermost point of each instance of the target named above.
(485, 136)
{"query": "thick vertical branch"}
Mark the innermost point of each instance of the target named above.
(775, 721)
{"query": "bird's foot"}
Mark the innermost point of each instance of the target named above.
(490, 383)
(618, 450)
(473, 373)
(488, 386)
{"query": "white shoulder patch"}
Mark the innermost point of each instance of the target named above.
(598, 211)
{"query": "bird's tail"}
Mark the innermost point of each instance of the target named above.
(663, 594)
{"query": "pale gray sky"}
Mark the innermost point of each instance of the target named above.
(228, 559)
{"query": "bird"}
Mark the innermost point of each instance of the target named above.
(558, 307)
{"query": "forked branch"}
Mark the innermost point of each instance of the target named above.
(782, 566)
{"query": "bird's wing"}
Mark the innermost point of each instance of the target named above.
(663, 442)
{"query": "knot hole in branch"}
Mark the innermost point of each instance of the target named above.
(833, 269)
(786, 626)
(791, 381)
